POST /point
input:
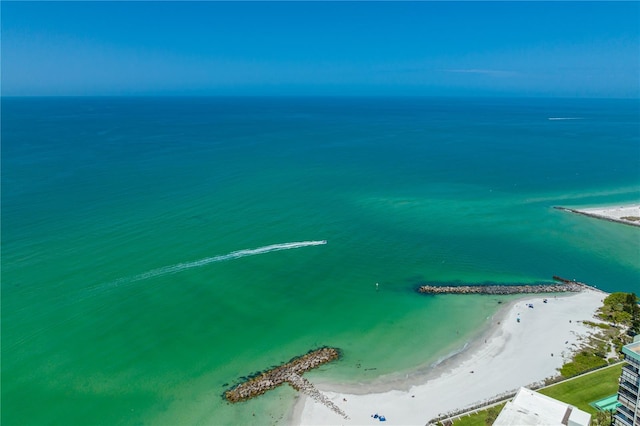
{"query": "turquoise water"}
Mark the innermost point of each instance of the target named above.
(609, 403)
(139, 273)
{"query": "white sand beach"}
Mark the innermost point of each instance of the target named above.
(510, 355)
(614, 213)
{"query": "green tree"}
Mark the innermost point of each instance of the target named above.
(635, 315)
(602, 418)
(632, 308)
(629, 302)
(619, 308)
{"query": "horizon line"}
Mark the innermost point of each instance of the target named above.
(344, 96)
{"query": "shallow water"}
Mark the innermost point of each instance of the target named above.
(104, 199)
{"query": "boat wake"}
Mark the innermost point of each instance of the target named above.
(230, 256)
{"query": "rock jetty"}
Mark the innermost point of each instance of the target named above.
(301, 384)
(564, 287)
(632, 219)
(290, 372)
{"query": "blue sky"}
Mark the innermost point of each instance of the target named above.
(565, 49)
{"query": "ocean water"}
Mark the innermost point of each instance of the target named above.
(156, 250)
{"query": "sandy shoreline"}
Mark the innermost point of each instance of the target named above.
(613, 213)
(508, 355)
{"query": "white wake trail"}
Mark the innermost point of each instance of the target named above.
(233, 255)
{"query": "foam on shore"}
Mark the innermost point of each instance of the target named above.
(509, 355)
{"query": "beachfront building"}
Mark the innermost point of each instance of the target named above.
(628, 412)
(530, 408)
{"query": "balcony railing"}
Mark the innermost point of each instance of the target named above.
(621, 419)
(630, 377)
(622, 391)
(627, 402)
(629, 388)
(631, 369)
(628, 412)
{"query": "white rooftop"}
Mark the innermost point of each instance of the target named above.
(532, 408)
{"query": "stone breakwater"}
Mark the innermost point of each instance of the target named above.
(503, 289)
(276, 376)
(301, 384)
(627, 220)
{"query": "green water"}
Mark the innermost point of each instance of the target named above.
(99, 193)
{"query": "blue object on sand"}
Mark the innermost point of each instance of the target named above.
(383, 418)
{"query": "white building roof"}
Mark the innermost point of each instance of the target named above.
(532, 408)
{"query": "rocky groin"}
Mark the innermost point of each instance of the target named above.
(276, 376)
(301, 384)
(564, 287)
(627, 220)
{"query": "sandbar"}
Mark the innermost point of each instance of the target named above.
(508, 355)
(628, 214)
